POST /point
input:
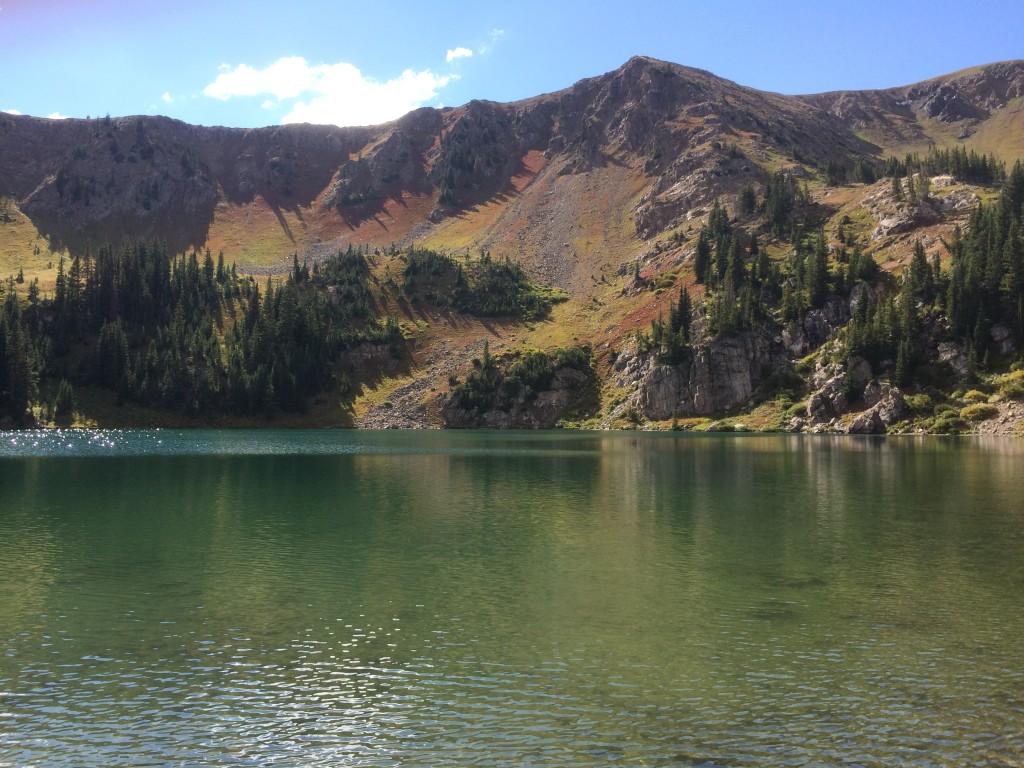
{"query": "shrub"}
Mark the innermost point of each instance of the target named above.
(975, 396)
(1012, 385)
(919, 403)
(578, 358)
(632, 415)
(797, 409)
(978, 412)
(1012, 390)
(948, 424)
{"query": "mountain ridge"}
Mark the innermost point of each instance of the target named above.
(656, 112)
(603, 191)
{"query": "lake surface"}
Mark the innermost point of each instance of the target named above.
(338, 598)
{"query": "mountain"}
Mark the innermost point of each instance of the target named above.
(980, 107)
(598, 190)
(659, 124)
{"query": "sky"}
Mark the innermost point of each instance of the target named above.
(250, 63)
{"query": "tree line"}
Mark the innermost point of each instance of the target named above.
(185, 332)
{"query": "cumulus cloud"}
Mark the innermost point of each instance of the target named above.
(166, 97)
(337, 94)
(458, 53)
(285, 79)
(14, 112)
(56, 116)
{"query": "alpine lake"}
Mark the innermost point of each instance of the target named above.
(337, 598)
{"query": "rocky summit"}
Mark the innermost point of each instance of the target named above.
(653, 247)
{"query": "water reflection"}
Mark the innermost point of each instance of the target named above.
(550, 599)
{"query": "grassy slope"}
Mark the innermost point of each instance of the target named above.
(22, 247)
(1002, 135)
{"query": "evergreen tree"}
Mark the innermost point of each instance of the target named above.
(747, 201)
(897, 189)
(702, 258)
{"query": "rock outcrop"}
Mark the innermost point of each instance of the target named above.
(887, 409)
(815, 327)
(715, 376)
(851, 388)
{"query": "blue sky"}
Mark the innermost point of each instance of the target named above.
(250, 63)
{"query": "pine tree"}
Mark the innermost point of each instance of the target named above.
(919, 276)
(702, 258)
(897, 189)
(747, 201)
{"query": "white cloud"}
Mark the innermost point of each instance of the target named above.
(269, 104)
(166, 97)
(337, 94)
(286, 78)
(493, 39)
(56, 116)
(347, 98)
(14, 112)
(458, 53)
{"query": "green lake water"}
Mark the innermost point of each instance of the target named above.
(333, 598)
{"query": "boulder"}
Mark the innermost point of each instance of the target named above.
(872, 393)
(864, 423)
(827, 402)
(904, 220)
(886, 411)
(952, 354)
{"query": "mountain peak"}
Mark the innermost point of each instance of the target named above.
(667, 125)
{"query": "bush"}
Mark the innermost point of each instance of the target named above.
(948, 424)
(1012, 390)
(578, 358)
(919, 403)
(975, 396)
(1011, 385)
(797, 409)
(978, 412)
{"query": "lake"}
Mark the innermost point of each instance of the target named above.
(331, 598)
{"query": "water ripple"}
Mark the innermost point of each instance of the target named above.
(444, 600)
